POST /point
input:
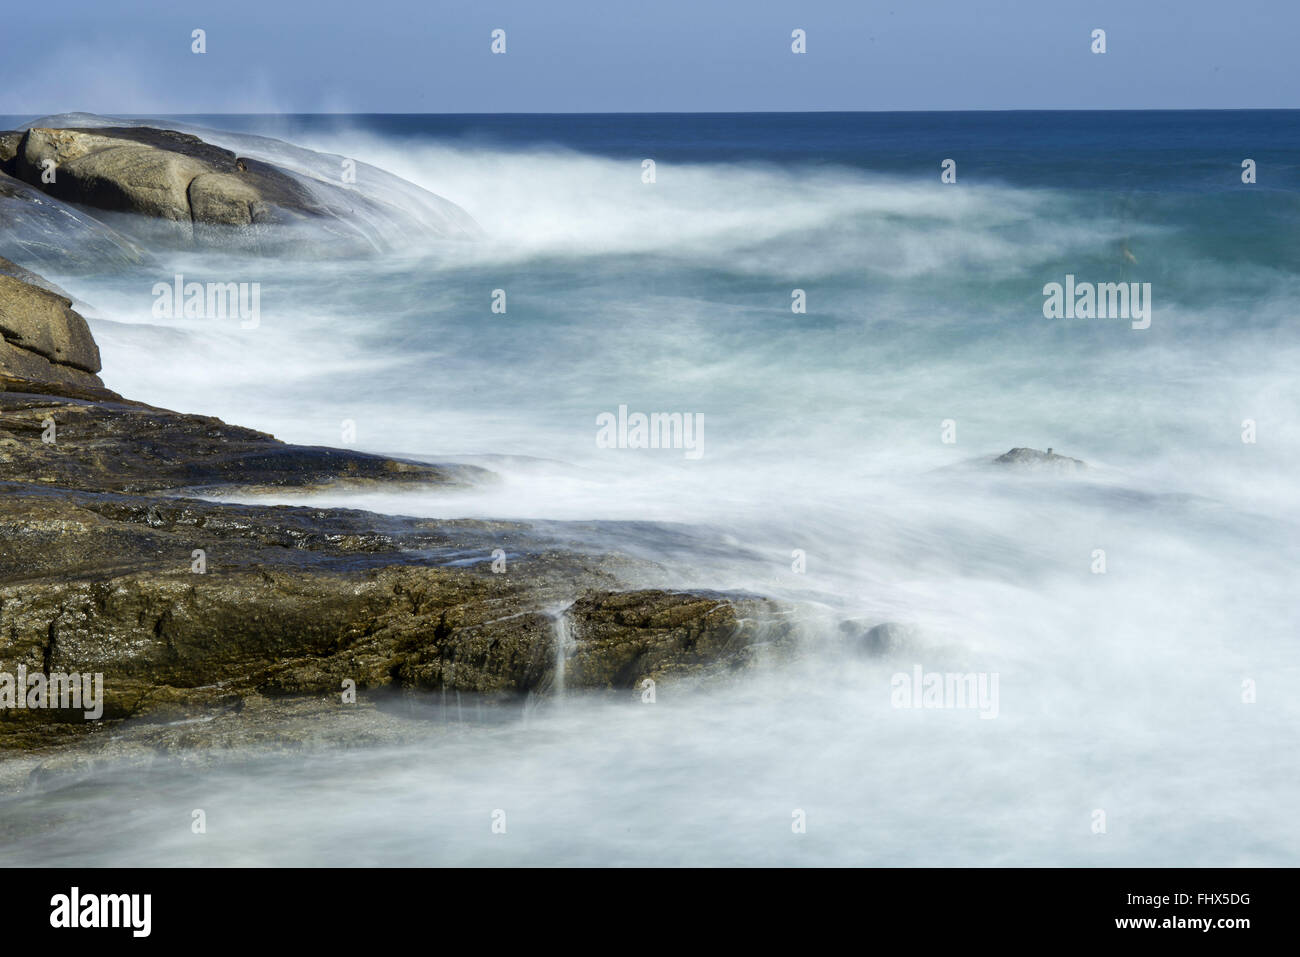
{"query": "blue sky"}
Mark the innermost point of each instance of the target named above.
(650, 55)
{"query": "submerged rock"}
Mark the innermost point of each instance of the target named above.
(884, 639)
(9, 268)
(1023, 458)
(51, 234)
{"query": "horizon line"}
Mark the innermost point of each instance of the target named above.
(1180, 109)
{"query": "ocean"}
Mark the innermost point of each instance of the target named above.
(857, 338)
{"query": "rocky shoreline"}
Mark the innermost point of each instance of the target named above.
(216, 624)
(99, 575)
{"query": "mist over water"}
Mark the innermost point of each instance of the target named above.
(822, 433)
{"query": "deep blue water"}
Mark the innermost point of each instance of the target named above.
(1159, 150)
(1156, 149)
(1180, 168)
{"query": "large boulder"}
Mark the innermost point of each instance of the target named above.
(43, 341)
(160, 173)
(181, 188)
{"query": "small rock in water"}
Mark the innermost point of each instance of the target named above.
(883, 639)
(1034, 459)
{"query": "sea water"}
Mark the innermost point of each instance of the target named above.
(1140, 616)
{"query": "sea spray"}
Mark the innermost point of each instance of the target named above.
(564, 643)
(917, 301)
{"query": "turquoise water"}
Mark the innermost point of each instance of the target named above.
(825, 433)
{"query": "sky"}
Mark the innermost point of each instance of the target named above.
(434, 56)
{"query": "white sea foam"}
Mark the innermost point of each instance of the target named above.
(1119, 691)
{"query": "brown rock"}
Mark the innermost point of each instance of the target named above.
(109, 173)
(39, 321)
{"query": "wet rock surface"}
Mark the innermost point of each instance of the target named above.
(297, 601)
(172, 188)
(159, 173)
(49, 234)
(103, 442)
(199, 612)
